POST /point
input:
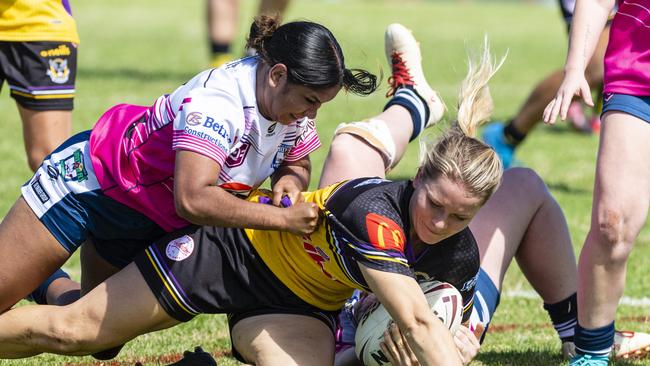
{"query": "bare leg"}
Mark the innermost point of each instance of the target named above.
(515, 223)
(116, 311)
(63, 291)
(222, 20)
(94, 269)
(621, 200)
(29, 254)
(43, 131)
(266, 340)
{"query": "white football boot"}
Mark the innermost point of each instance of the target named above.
(403, 54)
(628, 345)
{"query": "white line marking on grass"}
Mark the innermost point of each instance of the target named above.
(625, 300)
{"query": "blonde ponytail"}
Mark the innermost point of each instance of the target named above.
(458, 155)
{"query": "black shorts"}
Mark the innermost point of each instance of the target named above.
(41, 75)
(213, 270)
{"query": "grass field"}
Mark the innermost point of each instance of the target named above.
(133, 51)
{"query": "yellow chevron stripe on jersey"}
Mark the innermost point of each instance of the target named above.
(307, 265)
(168, 286)
(36, 20)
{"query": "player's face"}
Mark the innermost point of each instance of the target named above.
(287, 102)
(440, 208)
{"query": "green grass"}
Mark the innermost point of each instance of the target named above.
(133, 51)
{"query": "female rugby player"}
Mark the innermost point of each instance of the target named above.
(621, 191)
(144, 171)
(374, 235)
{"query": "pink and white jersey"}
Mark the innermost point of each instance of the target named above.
(627, 61)
(215, 114)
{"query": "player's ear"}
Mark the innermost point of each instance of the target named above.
(278, 75)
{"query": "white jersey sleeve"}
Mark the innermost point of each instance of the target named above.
(306, 142)
(209, 122)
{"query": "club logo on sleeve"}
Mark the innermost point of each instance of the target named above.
(384, 233)
(180, 248)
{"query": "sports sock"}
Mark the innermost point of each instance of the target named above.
(564, 315)
(594, 342)
(407, 97)
(39, 295)
(219, 48)
(512, 135)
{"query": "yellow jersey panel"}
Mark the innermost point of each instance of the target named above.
(37, 20)
(307, 265)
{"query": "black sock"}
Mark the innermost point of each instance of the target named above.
(512, 136)
(219, 48)
(564, 315)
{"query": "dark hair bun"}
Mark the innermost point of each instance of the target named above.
(262, 30)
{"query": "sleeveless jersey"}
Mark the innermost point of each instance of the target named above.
(366, 222)
(216, 115)
(38, 20)
(627, 60)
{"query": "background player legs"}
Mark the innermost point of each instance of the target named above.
(223, 20)
(505, 138)
(43, 131)
(266, 340)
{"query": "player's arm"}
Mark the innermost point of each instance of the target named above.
(402, 297)
(290, 179)
(199, 200)
(588, 22)
(589, 19)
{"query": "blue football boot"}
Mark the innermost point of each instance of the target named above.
(493, 136)
(588, 360)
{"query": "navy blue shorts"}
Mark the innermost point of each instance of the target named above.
(65, 195)
(636, 106)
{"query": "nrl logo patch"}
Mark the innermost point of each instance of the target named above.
(179, 249)
(59, 71)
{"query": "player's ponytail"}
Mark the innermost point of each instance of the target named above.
(459, 155)
(261, 31)
(310, 52)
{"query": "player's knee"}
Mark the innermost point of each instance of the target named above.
(36, 155)
(526, 181)
(34, 159)
(70, 334)
(614, 235)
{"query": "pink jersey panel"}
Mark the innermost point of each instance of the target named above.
(627, 61)
(135, 167)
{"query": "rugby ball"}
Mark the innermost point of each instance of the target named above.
(445, 302)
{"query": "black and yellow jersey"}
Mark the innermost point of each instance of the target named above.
(365, 221)
(37, 20)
